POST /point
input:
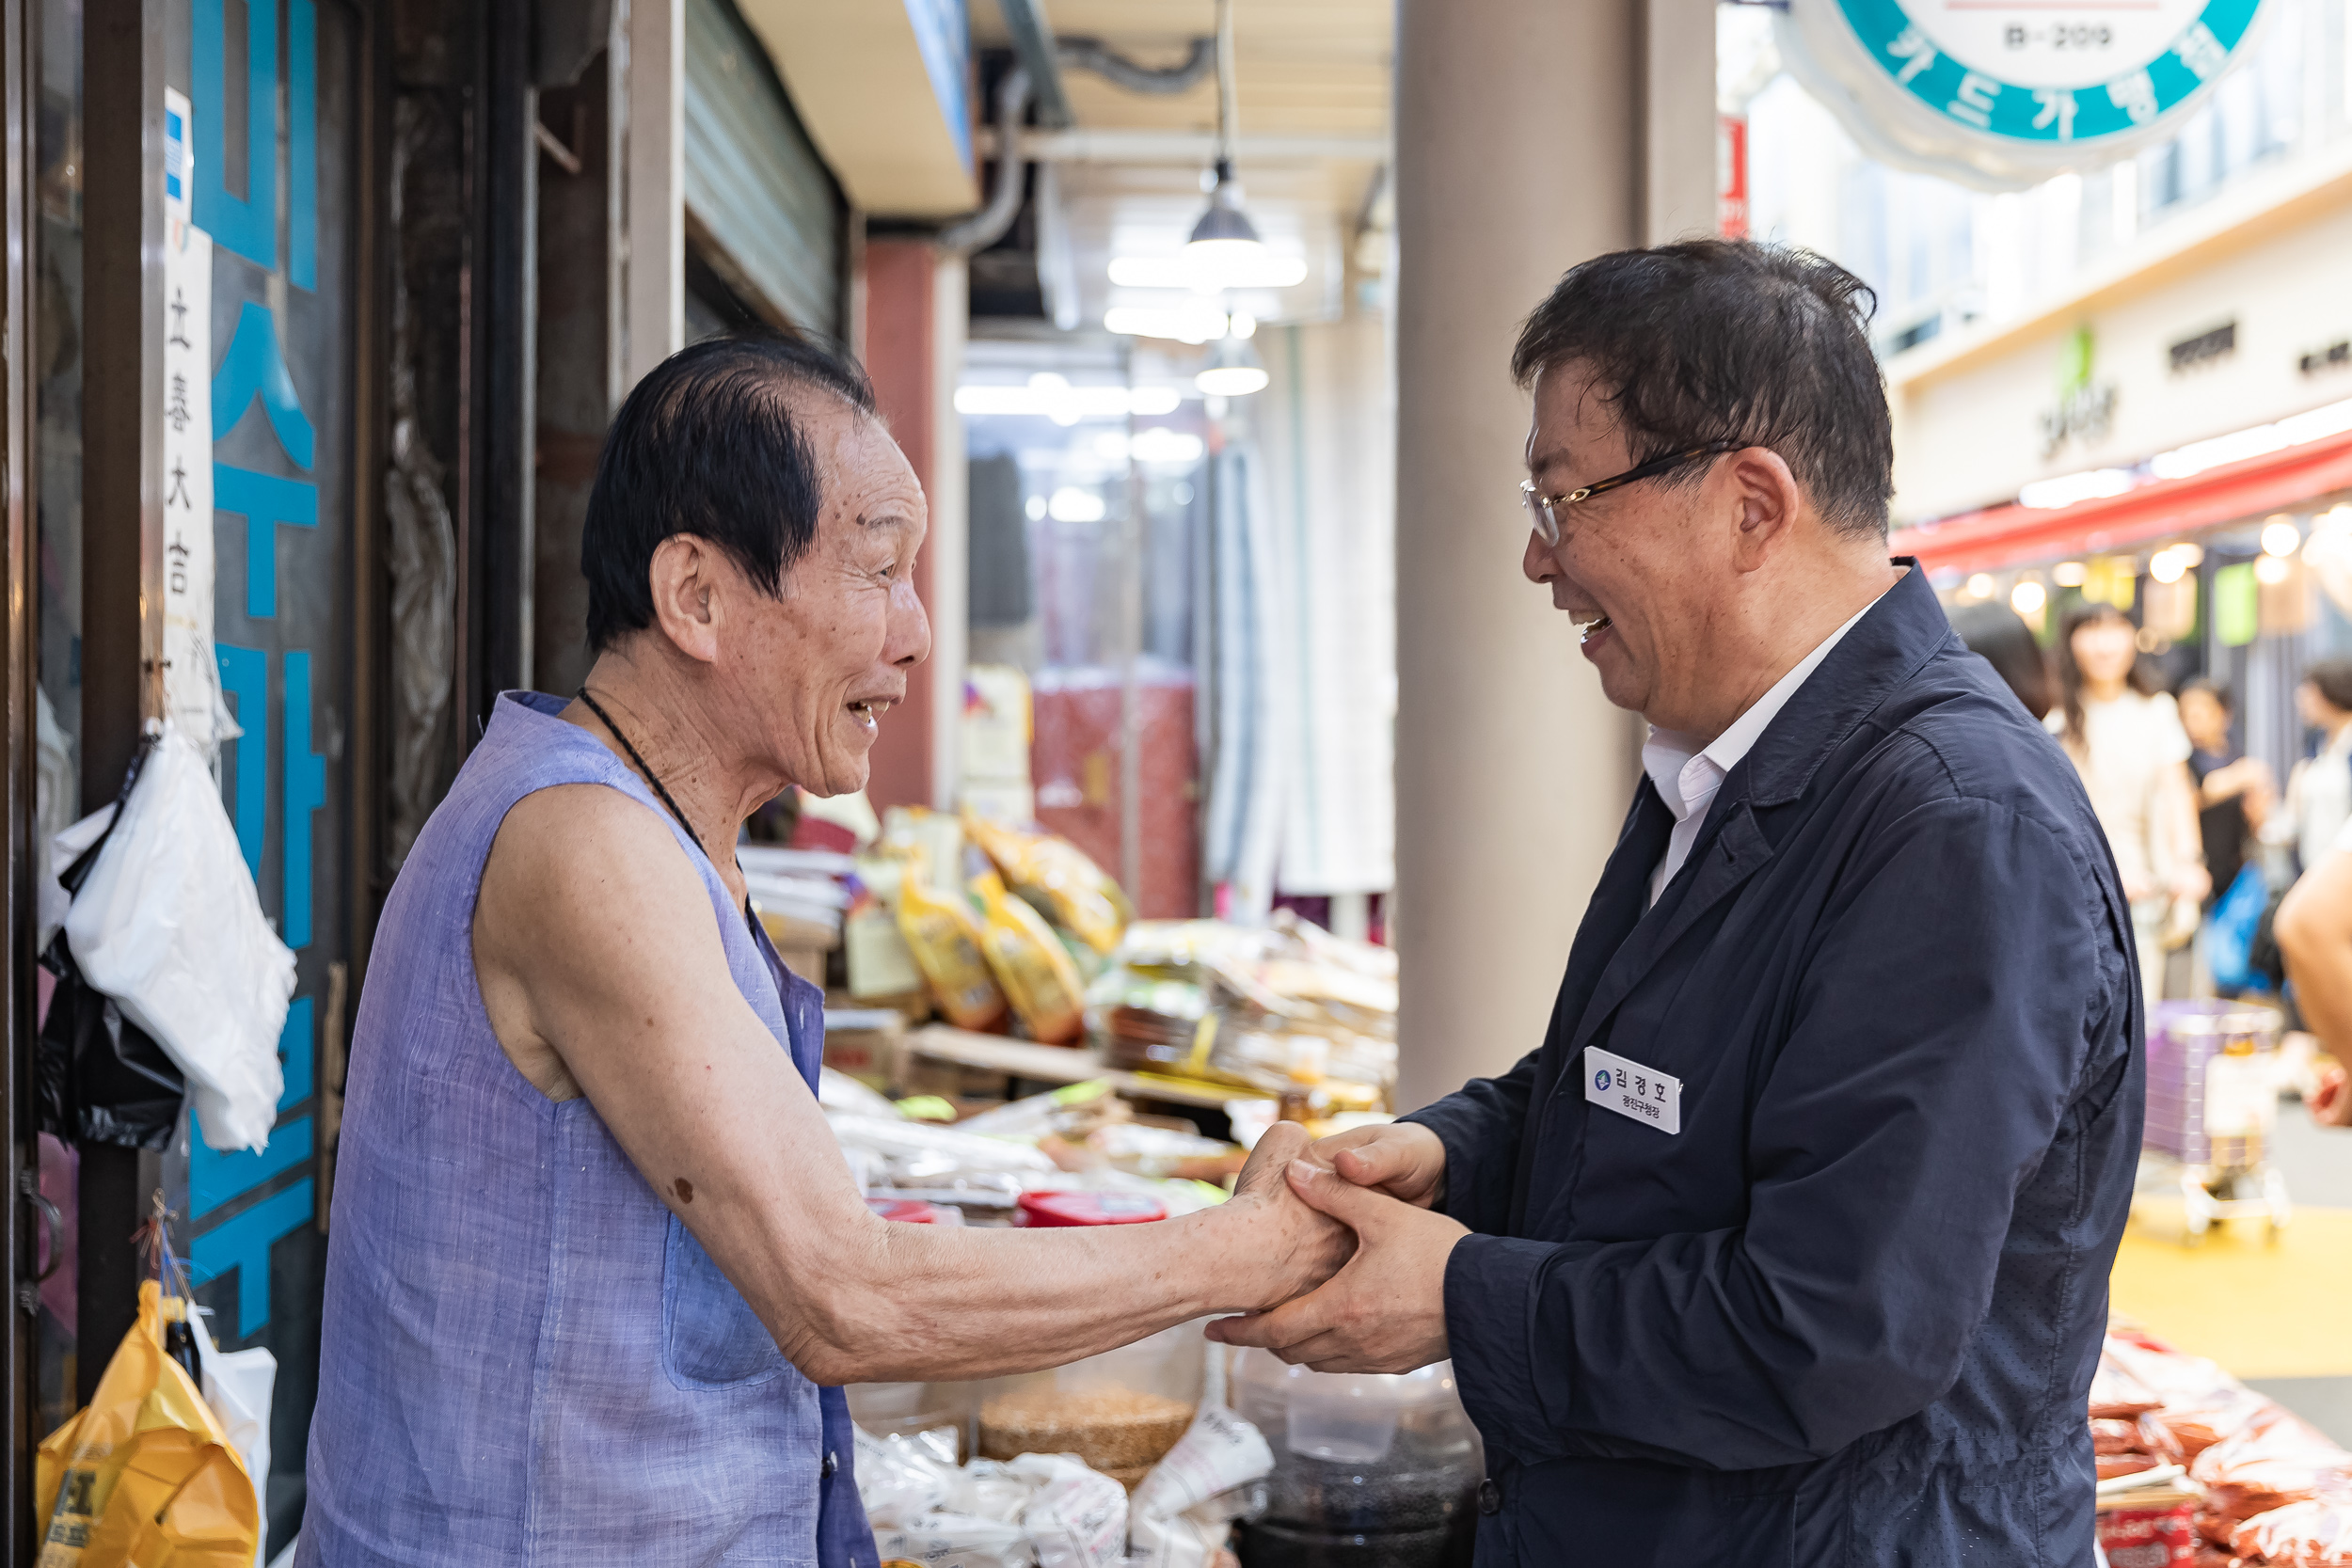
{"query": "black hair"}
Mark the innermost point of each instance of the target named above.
(2333, 678)
(2211, 687)
(710, 444)
(2071, 675)
(2000, 637)
(1725, 340)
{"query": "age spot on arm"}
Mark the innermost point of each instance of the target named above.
(684, 1189)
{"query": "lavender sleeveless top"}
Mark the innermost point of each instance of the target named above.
(526, 1359)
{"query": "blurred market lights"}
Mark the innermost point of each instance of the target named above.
(2027, 599)
(2281, 537)
(2069, 574)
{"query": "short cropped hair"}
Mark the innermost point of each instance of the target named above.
(2333, 678)
(710, 444)
(1721, 339)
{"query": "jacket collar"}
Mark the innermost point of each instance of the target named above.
(1900, 633)
(1623, 937)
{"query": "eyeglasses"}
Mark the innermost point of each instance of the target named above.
(1544, 511)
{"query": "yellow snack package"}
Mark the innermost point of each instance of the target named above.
(1086, 902)
(948, 947)
(144, 1474)
(1031, 963)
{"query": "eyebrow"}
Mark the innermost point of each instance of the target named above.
(884, 520)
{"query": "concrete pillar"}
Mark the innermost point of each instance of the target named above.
(901, 356)
(654, 99)
(949, 543)
(1523, 147)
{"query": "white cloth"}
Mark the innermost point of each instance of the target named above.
(2319, 793)
(1687, 774)
(2131, 744)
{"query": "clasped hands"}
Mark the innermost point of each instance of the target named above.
(1384, 1309)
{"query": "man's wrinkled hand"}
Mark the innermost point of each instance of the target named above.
(1402, 1159)
(1293, 1246)
(1385, 1310)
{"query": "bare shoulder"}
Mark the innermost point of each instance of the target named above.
(587, 901)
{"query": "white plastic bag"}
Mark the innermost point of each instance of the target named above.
(170, 926)
(1182, 1507)
(1078, 1516)
(955, 1541)
(238, 1385)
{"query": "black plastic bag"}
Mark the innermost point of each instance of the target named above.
(101, 1078)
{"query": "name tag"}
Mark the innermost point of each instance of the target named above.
(1633, 1090)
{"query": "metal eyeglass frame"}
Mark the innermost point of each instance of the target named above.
(1545, 523)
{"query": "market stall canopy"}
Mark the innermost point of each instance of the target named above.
(2012, 535)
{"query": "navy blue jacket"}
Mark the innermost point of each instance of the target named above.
(1848, 1314)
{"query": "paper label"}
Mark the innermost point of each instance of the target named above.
(1630, 1089)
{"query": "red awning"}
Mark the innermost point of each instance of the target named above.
(2017, 535)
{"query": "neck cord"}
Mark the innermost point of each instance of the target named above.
(651, 777)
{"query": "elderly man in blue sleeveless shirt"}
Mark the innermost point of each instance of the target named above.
(595, 1257)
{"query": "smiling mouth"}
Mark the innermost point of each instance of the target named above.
(869, 713)
(1588, 629)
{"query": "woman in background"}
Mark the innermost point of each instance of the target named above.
(1999, 636)
(2233, 791)
(2124, 735)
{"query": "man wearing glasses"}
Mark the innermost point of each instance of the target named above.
(1789, 1243)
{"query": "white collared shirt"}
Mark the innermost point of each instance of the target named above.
(1687, 776)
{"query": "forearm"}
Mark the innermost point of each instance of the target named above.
(2322, 972)
(905, 1303)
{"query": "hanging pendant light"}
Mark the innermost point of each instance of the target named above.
(1233, 370)
(1224, 242)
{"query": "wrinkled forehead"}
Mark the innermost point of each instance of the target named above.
(866, 479)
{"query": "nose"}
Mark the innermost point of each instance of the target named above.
(1536, 562)
(907, 638)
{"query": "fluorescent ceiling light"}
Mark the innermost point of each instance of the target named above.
(1072, 505)
(2069, 488)
(1056, 399)
(1189, 324)
(1209, 272)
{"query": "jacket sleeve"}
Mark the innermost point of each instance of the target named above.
(1941, 1028)
(1480, 1125)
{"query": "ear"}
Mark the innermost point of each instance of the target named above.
(685, 576)
(1767, 504)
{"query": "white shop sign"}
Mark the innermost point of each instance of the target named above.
(2004, 93)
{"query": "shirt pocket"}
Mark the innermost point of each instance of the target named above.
(710, 1337)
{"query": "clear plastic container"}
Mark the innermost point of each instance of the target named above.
(903, 1409)
(1369, 1471)
(1120, 1411)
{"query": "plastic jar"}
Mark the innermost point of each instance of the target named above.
(1369, 1471)
(1120, 1411)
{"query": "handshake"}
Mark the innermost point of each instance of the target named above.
(1357, 1253)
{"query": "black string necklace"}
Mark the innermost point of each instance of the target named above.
(651, 777)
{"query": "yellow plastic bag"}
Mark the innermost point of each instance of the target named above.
(143, 1477)
(1031, 964)
(1086, 902)
(945, 938)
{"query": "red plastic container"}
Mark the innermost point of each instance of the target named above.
(905, 1209)
(2161, 1534)
(1066, 1209)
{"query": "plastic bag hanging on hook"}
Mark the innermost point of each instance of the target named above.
(168, 924)
(144, 1475)
(101, 1078)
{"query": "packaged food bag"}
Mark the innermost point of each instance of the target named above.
(145, 1476)
(947, 942)
(1031, 964)
(1084, 902)
(1077, 1516)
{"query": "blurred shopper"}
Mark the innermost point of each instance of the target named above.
(2124, 735)
(2233, 791)
(2319, 789)
(2314, 928)
(1999, 636)
(597, 1260)
(1789, 1244)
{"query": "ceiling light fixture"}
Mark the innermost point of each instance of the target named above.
(1233, 370)
(1224, 241)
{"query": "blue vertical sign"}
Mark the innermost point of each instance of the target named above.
(242, 1204)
